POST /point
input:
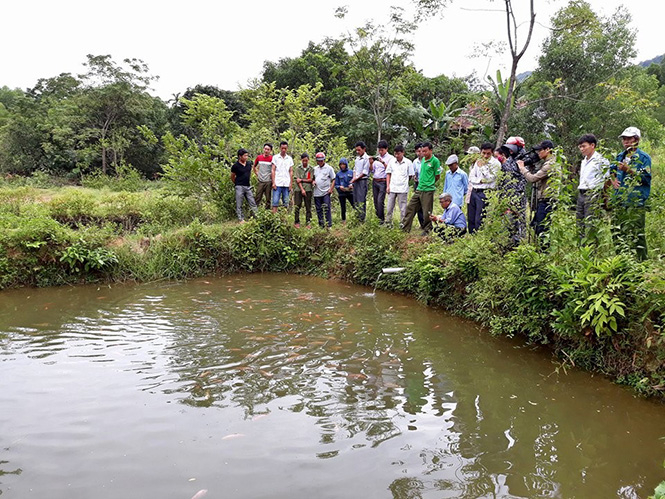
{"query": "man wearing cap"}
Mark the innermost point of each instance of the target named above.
(344, 186)
(423, 198)
(379, 176)
(452, 219)
(482, 180)
(398, 173)
(593, 172)
(457, 181)
(324, 184)
(359, 180)
(282, 173)
(263, 172)
(631, 180)
(539, 179)
(304, 177)
(241, 172)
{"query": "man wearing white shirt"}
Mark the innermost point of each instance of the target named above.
(398, 173)
(593, 173)
(282, 172)
(482, 179)
(359, 181)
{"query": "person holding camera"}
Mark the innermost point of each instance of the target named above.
(539, 178)
(512, 189)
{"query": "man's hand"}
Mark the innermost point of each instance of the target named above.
(303, 192)
(274, 187)
(623, 166)
(615, 183)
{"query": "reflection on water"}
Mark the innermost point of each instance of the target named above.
(286, 386)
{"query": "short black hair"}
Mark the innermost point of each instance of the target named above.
(418, 146)
(589, 138)
(486, 145)
(268, 144)
(242, 152)
(383, 144)
(361, 144)
(428, 145)
(283, 143)
(399, 148)
(304, 155)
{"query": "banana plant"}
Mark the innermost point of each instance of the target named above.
(441, 115)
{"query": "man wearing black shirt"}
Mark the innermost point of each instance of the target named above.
(240, 174)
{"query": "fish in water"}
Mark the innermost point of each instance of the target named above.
(200, 494)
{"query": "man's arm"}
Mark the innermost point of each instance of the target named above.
(272, 175)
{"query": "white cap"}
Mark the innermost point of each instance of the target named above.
(452, 159)
(473, 150)
(631, 131)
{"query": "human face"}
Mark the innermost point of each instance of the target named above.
(427, 152)
(499, 155)
(244, 158)
(630, 142)
(587, 149)
(305, 161)
(282, 149)
(267, 150)
(321, 162)
(543, 153)
(382, 151)
(360, 151)
(486, 154)
(453, 167)
(419, 152)
(399, 155)
(445, 203)
(342, 166)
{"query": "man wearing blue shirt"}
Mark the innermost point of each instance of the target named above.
(359, 181)
(452, 220)
(631, 180)
(457, 181)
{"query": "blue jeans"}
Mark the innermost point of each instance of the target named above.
(280, 192)
(322, 204)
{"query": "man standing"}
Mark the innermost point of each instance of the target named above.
(324, 183)
(344, 186)
(241, 172)
(512, 189)
(594, 169)
(539, 179)
(457, 181)
(482, 179)
(423, 198)
(631, 179)
(398, 173)
(282, 172)
(263, 172)
(381, 162)
(359, 181)
(304, 179)
(416, 176)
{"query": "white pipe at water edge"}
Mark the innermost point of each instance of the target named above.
(392, 270)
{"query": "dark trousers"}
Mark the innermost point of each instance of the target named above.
(421, 218)
(298, 200)
(477, 206)
(323, 204)
(541, 219)
(343, 198)
(420, 201)
(628, 230)
(379, 193)
(360, 198)
(588, 213)
(264, 189)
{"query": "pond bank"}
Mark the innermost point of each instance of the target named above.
(603, 314)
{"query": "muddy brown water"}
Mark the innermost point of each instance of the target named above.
(280, 386)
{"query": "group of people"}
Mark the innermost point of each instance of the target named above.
(506, 170)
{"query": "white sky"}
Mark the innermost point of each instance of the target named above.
(225, 43)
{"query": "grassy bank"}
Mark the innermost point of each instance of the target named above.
(597, 310)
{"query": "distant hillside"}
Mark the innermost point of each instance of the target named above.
(655, 60)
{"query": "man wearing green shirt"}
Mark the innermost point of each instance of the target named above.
(423, 198)
(304, 175)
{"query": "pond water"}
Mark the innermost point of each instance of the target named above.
(281, 386)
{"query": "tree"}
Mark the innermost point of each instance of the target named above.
(517, 50)
(377, 62)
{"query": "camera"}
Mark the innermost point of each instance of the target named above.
(529, 157)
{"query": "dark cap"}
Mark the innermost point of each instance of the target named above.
(545, 144)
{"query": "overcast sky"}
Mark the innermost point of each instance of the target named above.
(225, 43)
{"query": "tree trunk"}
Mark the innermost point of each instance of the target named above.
(104, 165)
(503, 124)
